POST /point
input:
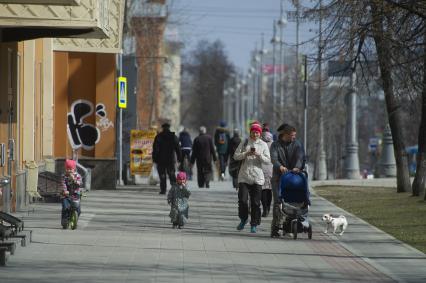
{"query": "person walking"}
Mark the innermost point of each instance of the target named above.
(234, 165)
(221, 142)
(287, 154)
(185, 142)
(253, 154)
(164, 152)
(267, 173)
(203, 152)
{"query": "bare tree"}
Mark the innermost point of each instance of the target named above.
(391, 33)
(206, 69)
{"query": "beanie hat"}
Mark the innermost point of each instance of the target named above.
(256, 128)
(70, 164)
(181, 176)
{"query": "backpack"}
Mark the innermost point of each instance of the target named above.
(222, 138)
(235, 165)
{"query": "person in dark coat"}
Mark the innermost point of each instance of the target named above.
(287, 154)
(185, 142)
(203, 152)
(234, 164)
(164, 152)
(221, 142)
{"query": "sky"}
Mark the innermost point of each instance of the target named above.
(237, 23)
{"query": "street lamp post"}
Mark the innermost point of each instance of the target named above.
(243, 104)
(262, 52)
(282, 22)
(351, 160)
(237, 97)
(230, 107)
(274, 41)
(306, 103)
(224, 101)
(322, 164)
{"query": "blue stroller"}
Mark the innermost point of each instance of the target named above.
(294, 195)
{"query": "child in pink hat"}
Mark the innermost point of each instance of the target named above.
(71, 184)
(178, 200)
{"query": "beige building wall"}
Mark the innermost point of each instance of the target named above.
(47, 144)
(28, 102)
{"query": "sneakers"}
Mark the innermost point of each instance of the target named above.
(253, 229)
(222, 177)
(241, 225)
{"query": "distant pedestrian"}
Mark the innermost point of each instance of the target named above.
(267, 173)
(164, 152)
(234, 165)
(287, 154)
(178, 199)
(185, 142)
(221, 142)
(203, 154)
(250, 177)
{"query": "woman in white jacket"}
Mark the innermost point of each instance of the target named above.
(253, 152)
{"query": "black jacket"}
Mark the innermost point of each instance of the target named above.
(185, 140)
(203, 151)
(290, 155)
(166, 144)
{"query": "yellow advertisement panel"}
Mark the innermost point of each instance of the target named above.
(141, 142)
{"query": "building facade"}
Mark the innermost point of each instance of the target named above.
(55, 53)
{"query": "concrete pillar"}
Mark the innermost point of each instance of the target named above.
(351, 160)
(387, 164)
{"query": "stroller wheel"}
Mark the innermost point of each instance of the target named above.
(310, 231)
(294, 228)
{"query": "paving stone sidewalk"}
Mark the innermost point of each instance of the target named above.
(126, 236)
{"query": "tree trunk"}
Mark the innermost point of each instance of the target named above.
(420, 178)
(393, 105)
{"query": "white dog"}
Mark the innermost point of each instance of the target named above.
(336, 222)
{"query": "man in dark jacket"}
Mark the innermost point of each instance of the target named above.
(287, 154)
(202, 153)
(221, 141)
(166, 145)
(234, 165)
(185, 142)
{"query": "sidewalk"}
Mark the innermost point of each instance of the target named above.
(378, 182)
(126, 236)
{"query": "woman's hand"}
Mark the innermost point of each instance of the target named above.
(283, 169)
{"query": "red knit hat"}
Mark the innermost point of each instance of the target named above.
(256, 128)
(181, 176)
(70, 164)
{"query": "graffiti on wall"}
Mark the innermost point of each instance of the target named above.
(85, 135)
(102, 122)
(81, 134)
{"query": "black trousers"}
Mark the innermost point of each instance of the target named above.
(203, 177)
(254, 191)
(266, 199)
(163, 171)
(277, 215)
(235, 182)
(223, 162)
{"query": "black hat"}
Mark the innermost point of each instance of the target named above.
(280, 128)
(165, 125)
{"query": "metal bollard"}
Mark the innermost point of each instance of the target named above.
(5, 187)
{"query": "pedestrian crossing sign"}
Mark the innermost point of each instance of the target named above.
(122, 92)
